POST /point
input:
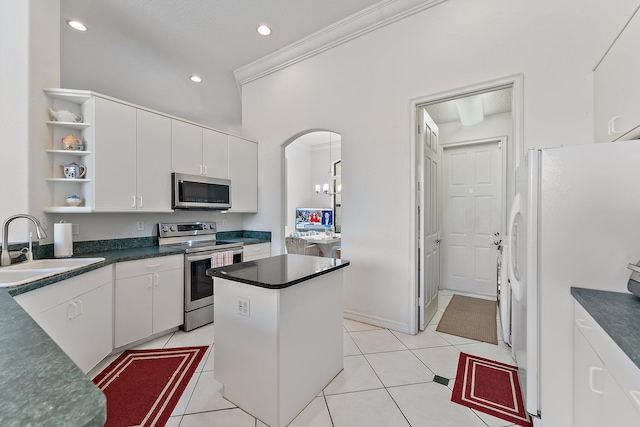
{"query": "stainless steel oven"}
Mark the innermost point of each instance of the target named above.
(198, 239)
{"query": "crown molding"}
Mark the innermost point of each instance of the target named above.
(349, 28)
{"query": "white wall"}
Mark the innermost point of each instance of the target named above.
(30, 58)
(362, 89)
(299, 184)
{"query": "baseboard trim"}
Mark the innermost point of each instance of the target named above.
(377, 321)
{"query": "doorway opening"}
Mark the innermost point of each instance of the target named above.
(312, 190)
(474, 154)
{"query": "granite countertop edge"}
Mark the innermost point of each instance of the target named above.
(115, 256)
(219, 272)
(617, 313)
(40, 385)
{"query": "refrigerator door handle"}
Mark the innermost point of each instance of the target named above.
(516, 286)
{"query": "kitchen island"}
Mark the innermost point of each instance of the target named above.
(278, 332)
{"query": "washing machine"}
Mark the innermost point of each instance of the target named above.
(504, 293)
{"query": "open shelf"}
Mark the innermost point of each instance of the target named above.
(70, 125)
(70, 152)
(67, 209)
(79, 180)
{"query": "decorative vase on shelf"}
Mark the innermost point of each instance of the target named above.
(64, 116)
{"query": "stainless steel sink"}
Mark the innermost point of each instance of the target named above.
(29, 271)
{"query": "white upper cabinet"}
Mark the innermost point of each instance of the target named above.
(243, 173)
(215, 153)
(186, 148)
(199, 151)
(132, 158)
(115, 155)
(130, 152)
(617, 87)
(153, 161)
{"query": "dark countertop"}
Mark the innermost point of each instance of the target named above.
(246, 236)
(39, 384)
(618, 314)
(278, 272)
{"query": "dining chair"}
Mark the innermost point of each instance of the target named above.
(297, 245)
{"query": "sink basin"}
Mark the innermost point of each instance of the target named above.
(26, 272)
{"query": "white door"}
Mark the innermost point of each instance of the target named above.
(429, 248)
(472, 212)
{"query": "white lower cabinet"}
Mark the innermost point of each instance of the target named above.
(257, 251)
(606, 388)
(77, 314)
(149, 297)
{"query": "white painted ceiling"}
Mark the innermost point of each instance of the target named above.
(143, 51)
(495, 102)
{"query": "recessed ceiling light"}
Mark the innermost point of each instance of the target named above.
(263, 30)
(195, 79)
(77, 25)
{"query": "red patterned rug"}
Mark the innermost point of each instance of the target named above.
(490, 387)
(144, 386)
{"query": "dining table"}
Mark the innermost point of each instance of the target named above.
(324, 242)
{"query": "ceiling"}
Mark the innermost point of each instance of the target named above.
(495, 102)
(144, 51)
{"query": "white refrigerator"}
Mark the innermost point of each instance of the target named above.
(574, 221)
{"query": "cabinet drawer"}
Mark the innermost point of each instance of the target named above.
(148, 265)
(42, 299)
(257, 249)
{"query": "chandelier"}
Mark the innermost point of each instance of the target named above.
(326, 188)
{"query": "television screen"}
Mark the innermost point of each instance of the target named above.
(313, 218)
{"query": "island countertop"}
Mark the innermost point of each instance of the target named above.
(278, 272)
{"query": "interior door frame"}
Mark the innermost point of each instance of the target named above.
(515, 147)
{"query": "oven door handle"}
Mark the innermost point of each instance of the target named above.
(208, 255)
(195, 257)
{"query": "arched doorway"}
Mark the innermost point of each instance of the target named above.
(312, 183)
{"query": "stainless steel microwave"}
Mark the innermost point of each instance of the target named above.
(200, 192)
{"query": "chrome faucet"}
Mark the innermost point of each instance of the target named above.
(6, 257)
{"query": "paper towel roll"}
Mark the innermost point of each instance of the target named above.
(62, 240)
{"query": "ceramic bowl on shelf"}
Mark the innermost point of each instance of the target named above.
(70, 142)
(74, 201)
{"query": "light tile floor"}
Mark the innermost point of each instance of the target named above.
(387, 381)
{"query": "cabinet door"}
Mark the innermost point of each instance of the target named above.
(617, 87)
(168, 299)
(153, 166)
(186, 148)
(589, 384)
(215, 153)
(82, 327)
(133, 308)
(243, 173)
(115, 155)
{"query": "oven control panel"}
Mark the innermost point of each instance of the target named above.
(185, 229)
